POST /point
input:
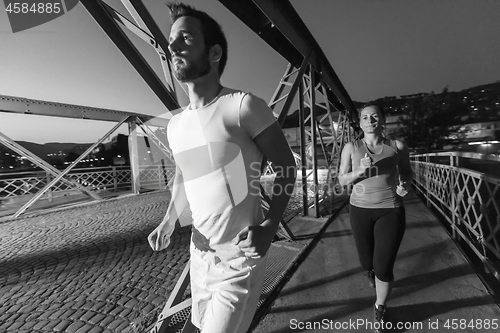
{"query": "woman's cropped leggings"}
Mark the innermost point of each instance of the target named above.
(378, 233)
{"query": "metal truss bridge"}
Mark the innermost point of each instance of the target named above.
(309, 80)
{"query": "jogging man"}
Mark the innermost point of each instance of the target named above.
(218, 142)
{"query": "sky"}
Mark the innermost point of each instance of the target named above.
(377, 48)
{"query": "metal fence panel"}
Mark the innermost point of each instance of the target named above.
(469, 200)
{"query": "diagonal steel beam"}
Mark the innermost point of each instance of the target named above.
(139, 31)
(285, 230)
(146, 22)
(278, 95)
(67, 170)
(28, 106)
(11, 144)
(285, 18)
(174, 299)
(103, 17)
(281, 27)
(293, 91)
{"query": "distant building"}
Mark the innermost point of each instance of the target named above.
(8, 159)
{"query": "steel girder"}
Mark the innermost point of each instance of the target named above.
(108, 19)
(175, 304)
(144, 20)
(60, 175)
(325, 134)
(288, 97)
(11, 144)
(279, 25)
(21, 105)
(275, 21)
(310, 93)
(28, 106)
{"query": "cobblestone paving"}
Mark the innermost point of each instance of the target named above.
(87, 269)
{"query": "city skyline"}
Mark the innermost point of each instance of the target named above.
(378, 49)
(472, 125)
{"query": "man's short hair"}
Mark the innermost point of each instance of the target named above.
(211, 30)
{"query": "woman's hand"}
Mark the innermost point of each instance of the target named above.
(365, 162)
(402, 189)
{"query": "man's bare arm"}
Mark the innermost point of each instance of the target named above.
(255, 241)
(159, 239)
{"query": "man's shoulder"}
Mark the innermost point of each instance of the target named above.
(173, 121)
(230, 98)
(233, 93)
(245, 101)
(245, 97)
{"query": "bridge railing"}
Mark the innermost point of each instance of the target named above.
(469, 200)
(21, 186)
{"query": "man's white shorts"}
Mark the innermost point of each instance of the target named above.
(225, 293)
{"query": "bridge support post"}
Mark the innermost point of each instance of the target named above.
(49, 191)
(115, 179)
(309, 83)
(453, 207)
(303, 156)
(134, 157)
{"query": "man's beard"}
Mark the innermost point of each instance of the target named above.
(193, 70)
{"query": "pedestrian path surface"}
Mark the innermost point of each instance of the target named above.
(436, 290)
(89, 269)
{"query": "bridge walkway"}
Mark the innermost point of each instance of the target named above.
(435, 288)
(89, 269)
